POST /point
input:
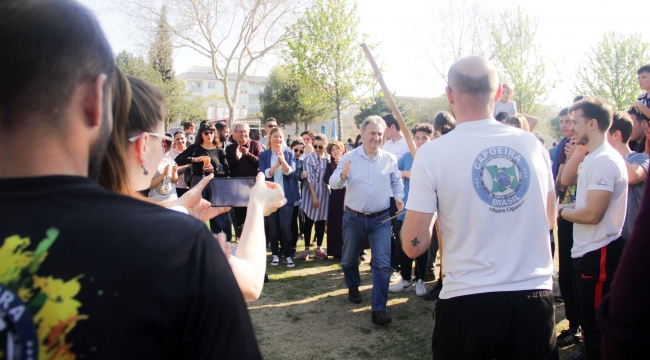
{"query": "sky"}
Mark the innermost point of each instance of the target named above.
(567, 29)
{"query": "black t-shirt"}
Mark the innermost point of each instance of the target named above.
(104, 276)
(217, 157)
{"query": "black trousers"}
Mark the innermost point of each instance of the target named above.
(319, 233)
(565, 277)
(498, 325)
(406, 263)
(295, 231)
(593, 274)
(240, 215)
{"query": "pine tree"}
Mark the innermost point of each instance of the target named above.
(160, 53)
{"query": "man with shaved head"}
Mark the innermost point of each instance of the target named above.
(494, 199)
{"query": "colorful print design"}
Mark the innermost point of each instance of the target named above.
(50, 301)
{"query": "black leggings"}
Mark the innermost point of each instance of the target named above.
(295, 220)
(320, 231)
(406, 263)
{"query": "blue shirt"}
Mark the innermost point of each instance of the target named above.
(370, 180)
(405, 163)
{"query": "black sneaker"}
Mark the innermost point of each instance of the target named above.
(580, 355)
(380, 317)
(568, 337)
(354, 296)
(433, 294)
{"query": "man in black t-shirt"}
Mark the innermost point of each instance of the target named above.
(85, 272)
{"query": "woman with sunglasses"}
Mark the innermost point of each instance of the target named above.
(206, 157)
(308, 137)
(336, 206)
(135, 143)
(278, 164)
(315, 200)
(163, 184)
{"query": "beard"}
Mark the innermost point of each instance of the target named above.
(583, 140)
(98, 149)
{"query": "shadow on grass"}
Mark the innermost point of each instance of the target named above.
(304, 313)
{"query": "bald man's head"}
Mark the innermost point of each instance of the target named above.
(474, 76)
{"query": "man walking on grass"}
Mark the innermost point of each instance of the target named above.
(369, 174)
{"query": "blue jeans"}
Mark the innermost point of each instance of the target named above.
(279, 223)
(355, 228)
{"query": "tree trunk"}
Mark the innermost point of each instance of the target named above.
(297, 127)
(339, 122)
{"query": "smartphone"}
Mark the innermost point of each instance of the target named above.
(233, 192)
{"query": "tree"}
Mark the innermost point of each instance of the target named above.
(290, 101)
(423, 109)
(610, 69)
(516, 49)
(555, 131)
(377, 105)
(233, 34)
(460, 28)
(325, 53)
(160, 52)
(179, 103)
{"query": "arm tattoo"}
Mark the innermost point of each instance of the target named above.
(415, 242)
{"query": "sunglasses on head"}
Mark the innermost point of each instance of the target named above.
(319, 147)
(298, 150)
(208, 132)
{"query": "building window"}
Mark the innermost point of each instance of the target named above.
(211, 85)
(197, 86)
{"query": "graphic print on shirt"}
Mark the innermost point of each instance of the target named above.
(501, 177)
(36, 312)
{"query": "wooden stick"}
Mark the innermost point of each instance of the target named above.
(396, 215)
(389, 99)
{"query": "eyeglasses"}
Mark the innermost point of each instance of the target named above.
(299, 151)
(271, 125)
(168, 138)
(319, 147)
(208, 132)
(308, 139)
(241, 132)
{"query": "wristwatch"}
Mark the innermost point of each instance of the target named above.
(559, 214)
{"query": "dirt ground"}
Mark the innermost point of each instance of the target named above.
(304, 313)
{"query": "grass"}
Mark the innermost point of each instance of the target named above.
(304, 313)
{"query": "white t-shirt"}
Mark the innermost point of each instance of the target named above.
(397, 148)
(604, 169)
(166, 190)
(489, 184)
(508, 107)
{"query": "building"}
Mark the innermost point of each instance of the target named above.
(202, 83)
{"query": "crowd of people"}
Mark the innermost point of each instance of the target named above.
(92, 256)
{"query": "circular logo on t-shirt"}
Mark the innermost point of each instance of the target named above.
(16, 328)
(501, 176)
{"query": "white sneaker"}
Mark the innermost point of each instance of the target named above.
(420, 289)
(403, 285)
(275, 261)
(289, 262)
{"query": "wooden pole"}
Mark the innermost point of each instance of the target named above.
(402, 124)
(389, 99)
